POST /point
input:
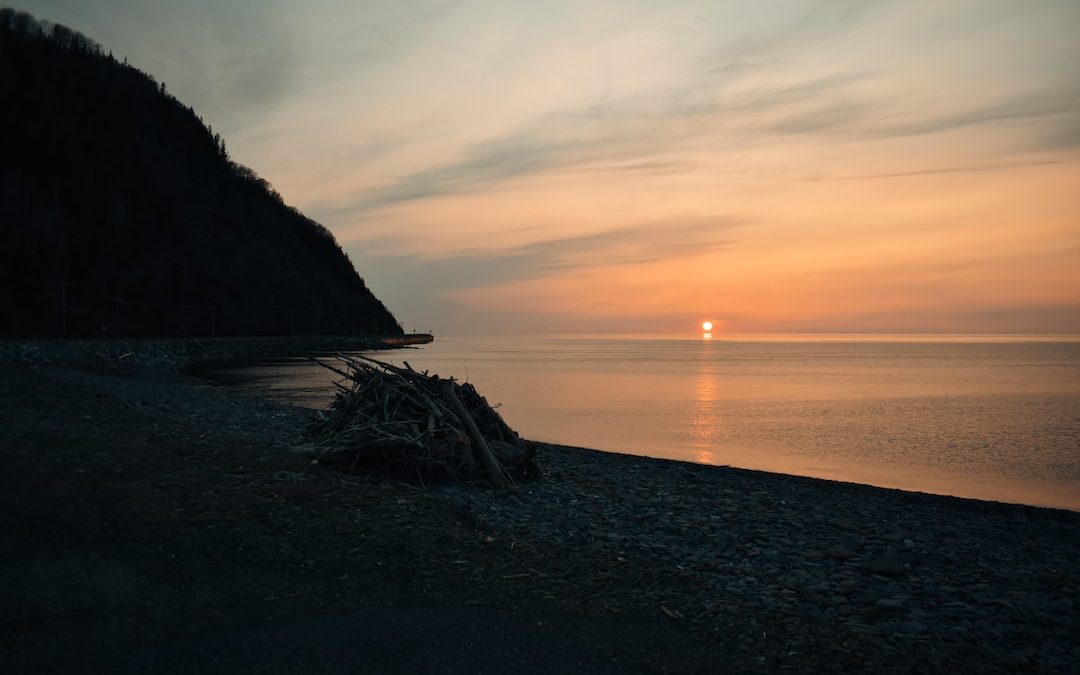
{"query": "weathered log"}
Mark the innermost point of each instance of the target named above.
(495, 472)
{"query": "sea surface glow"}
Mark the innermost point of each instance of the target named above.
(989, 417)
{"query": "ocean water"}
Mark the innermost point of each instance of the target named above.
(985, 417)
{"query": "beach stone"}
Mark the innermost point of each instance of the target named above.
(913, 628)
(890, 604)
(608, 536)
(888, 564)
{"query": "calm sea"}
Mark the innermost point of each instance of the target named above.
(986, 417)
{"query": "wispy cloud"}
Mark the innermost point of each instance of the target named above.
(643, 135)
(975, 168)
(819, 20)
(642, 243)
(541, 147)
(667, 240)
(430, 286)
(627, 134)
(1055, 108)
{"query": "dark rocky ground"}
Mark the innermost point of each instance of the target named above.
(154, 523)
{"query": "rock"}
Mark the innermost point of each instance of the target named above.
(607, 536)
(838, 553)
(912, 628)
(889, 564)
(890, 604)
(811, 594)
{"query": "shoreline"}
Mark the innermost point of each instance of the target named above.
(190, 356)
(835, 482)
(993, 485)
(184, 354)
(165, 513)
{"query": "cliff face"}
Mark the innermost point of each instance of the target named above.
(122, 214)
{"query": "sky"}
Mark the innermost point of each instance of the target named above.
(637, 166)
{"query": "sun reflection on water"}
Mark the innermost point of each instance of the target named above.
(705, 457)
(705, 422)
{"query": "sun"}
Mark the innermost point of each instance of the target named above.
(706, 326)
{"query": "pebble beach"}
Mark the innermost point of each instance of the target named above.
(155, 523)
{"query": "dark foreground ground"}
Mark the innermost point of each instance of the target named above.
(154, 523)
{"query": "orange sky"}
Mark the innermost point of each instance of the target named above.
(633, 166)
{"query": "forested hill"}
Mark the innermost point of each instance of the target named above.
(122, 214)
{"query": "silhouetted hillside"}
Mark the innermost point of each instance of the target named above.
(122, 214)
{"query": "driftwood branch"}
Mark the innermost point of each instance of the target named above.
(495, 472)
(416, 426)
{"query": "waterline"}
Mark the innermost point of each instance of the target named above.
(988, 417)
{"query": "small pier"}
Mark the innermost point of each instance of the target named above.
(406, 340)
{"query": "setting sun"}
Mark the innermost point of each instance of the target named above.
(520, 207)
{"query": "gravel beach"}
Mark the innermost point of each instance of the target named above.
(155, 523)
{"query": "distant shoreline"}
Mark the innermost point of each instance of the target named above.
(183, 354)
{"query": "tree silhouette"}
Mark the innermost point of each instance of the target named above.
(112, 185)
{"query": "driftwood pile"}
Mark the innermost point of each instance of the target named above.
(417, 427)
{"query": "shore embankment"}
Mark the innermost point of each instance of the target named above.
(155, 523)
(178, 354)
